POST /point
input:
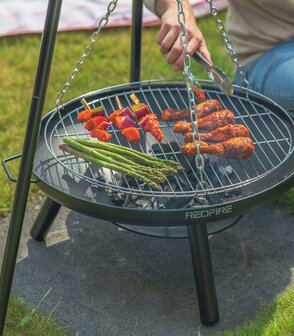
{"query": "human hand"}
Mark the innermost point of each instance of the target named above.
(170, 31)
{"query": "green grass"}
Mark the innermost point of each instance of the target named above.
(277, 319)
(24, 321)
(108, 65)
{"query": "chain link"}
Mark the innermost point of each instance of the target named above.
(190, 80)
(228, 44)
(93, 39)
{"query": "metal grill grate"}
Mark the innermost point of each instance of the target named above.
(270, 133)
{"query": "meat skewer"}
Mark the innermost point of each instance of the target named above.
(147, 120)
(89, 113)
(121, 112)
(126, 124)
(139, 109)
(202, 110)
(209, 123)
(235, 148)
(221, 134)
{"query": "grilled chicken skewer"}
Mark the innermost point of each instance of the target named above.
(221, 134)
(235, 148)
(202, 110)
(209, 123)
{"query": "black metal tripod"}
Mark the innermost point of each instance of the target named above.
(197, 233)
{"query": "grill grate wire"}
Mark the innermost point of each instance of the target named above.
(270, 134)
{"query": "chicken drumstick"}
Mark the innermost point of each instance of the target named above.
(211, 122)
(202, 110)
(221, 134)
(235, 148)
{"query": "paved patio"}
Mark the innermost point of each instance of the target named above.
(108, 281)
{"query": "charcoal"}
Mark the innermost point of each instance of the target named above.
(215, 174)
(166, 151)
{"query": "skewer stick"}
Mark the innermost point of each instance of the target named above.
(134, 98)
(118, 103)
(85, 104)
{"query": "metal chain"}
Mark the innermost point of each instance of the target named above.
(189, 80)
(93, 39)
(228, 43)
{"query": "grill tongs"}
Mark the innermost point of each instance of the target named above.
(215, 74)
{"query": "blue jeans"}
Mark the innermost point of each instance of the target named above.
(272, 74)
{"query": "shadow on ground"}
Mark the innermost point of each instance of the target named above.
(107, 281)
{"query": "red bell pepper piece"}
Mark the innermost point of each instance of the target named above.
(132, 134)
(101, 135)
(140, 110)
(199, 93)
(123, 122)
(150, 124)
(120, 113)
(94, 123)
(90, 113)
(157, 133)
(84, 115)
(143, 121)
(104, 125)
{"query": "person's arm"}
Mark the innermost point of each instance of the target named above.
(169, 34)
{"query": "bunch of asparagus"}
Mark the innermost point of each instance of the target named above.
(144, 167)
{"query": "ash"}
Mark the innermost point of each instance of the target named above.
(215, 176)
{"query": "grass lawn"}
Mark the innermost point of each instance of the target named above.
(24, 321)
(276, 320)
(107, 65)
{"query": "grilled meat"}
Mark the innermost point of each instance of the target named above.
(221, 134)
(235, 148)
(174, 114)
(207, 107)
(101, 135)
(131, 134)
(209, 123)
(183, 126)
(202, 110)
(216, 119)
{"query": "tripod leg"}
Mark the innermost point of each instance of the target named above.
(26, 164)
(203, 273)
(45, 219)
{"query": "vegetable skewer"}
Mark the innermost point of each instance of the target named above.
(89, 113)
(126, 123)
(146, 120)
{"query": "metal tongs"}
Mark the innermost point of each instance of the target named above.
(215, 74)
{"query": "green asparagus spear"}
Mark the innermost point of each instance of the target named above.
(90, 158)
(137, 156)
(160, 178)
(160, 171)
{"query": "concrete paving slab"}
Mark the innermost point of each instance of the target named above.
(107, 281)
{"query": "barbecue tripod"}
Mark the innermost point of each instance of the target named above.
(197, 233)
